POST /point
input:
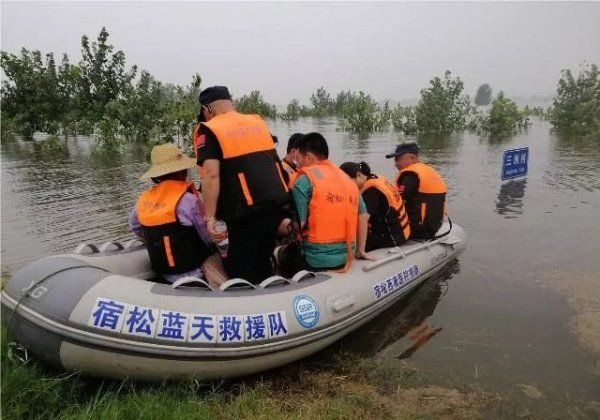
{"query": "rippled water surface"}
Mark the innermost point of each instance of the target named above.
(493, 320)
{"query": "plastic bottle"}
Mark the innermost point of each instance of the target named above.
(223, 246)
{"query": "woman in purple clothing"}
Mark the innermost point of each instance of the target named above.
(170, 218)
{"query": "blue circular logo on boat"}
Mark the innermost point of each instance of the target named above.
(306, 310)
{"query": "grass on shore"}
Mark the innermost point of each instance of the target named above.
(333, 385)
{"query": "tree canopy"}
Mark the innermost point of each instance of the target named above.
(577, 102)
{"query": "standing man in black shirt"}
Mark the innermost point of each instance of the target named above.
(242, 183)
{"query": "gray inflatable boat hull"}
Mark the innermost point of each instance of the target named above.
(98, 314)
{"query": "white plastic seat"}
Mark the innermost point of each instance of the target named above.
(82, 247)
(302, 275)
(106, 245)
(273, 281)
(236, 284)
(188, 280)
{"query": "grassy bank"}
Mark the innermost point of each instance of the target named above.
(332, 385)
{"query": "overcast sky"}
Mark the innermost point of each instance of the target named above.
(288, 50)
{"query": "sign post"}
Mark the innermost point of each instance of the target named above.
(515, 163)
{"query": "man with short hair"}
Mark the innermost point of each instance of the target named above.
(288, 163)
(242, 183)
(423, 191)
(331, 211)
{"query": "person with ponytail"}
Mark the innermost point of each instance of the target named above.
(388, 224)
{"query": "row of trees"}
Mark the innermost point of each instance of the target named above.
(443, 108)
(101, 95)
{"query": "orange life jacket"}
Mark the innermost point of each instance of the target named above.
(333, 207)
(173, 248)
(394, 199)
(291, 171)
(427, 208)
(251, 176)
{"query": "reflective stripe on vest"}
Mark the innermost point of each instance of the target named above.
(333, 207)
(394, 200)
(157, 206)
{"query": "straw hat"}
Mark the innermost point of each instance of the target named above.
(165, 159)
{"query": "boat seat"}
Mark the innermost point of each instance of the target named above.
(302, 275)
(104, 248)
(83, 246)
(273, 281)
(133, 243)
(236, 284)
(191, 281)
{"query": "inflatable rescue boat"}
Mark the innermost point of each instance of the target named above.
(99, 310)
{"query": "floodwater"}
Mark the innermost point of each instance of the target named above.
(516, 315)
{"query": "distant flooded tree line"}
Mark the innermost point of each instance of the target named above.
(103, 97)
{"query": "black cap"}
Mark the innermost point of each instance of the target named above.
(403, 148)
(214, 93)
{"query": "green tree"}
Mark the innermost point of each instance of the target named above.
(362, 114)
(139, 107)
(255, 104)
(576, 105)
(484, 95)
(293, 111)
(342, 100)
(322, 103)
(30, 92)
(104, 76)
(108, 137)
(403, 119)
(182, 108)
(69, 77)
(442, 108)
(504, 118)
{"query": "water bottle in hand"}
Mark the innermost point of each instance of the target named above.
(222, 246)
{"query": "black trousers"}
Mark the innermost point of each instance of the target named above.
(290, 259)
(422, 232)
(251, 245)
(384, 235)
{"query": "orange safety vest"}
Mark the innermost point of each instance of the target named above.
(427, 208)
(291, 172)
(394, 199)
(173, 248)
(251, 176)
(333, 207)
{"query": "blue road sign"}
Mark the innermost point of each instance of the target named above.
(514, 163)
